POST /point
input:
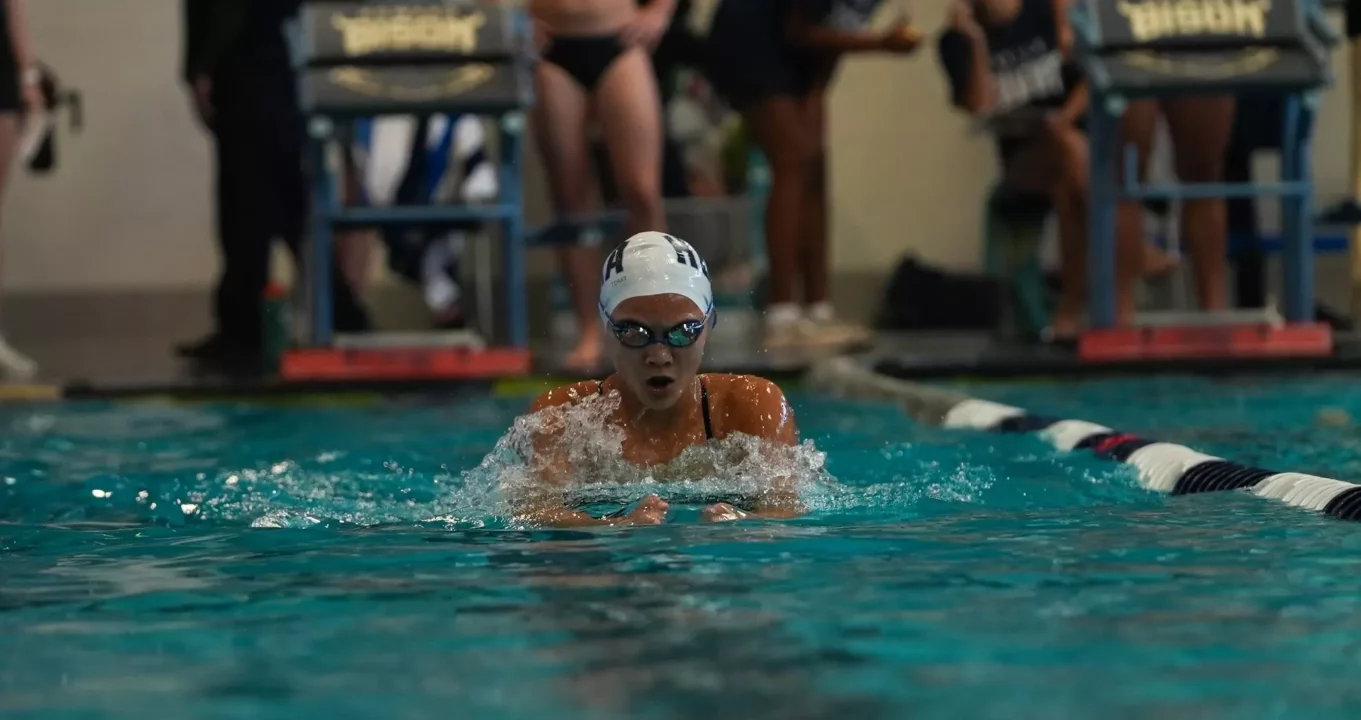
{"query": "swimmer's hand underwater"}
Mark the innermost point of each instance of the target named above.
(721, 512)
(651, 510)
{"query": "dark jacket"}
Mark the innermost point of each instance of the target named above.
(219, 34)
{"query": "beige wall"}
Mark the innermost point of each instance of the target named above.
(130, 207)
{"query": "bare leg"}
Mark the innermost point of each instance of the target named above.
(560, 129)
(1137, 128)
(814, 231)
(777, 125)
(1070, 193)
(9, 138)
(1201, 129)
(630, 114)
(354, 246)
(12, 363)
(1056, 165)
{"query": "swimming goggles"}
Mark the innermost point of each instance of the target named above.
(638, 336)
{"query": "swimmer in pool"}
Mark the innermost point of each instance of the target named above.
(657, 307)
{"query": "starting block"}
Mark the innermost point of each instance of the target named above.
(455, 355)
(1204, 336)
(1155, 49)
(403, 363)
(413, 57)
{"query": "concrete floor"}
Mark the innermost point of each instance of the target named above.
(123, 344)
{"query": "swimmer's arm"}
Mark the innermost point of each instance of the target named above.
(566, 518)
(801, 29)
(541, 504)
(771, 419)
(965, 59)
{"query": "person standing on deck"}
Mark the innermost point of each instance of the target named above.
(238, 65)
(773, 61)
(20, 93)
(595, 61)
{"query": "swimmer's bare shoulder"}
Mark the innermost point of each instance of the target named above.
(756, 406)
(551, 459)
(565, 395)
(753, 406)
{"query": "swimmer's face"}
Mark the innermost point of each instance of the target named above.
(644, 338)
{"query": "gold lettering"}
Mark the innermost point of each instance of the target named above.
(1250, 18)
(1151, 20)
(1219, 18)
(411, 29)
(1189, 18)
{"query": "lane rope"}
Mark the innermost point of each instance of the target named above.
(1162, 467)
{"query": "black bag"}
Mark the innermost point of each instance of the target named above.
(919, 297)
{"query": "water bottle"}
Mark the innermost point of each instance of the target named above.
(277, 326)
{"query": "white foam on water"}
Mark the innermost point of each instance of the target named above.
(592, 465)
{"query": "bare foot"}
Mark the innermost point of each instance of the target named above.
(585, 357)
(1064, 326)
(1157, 262)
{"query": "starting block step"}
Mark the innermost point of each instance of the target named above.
(399, 340)
(1223, 318)
(1202, 342)
(403, 364)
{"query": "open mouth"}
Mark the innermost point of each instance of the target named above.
(659, 382)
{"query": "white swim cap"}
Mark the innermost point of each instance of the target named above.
(653, 263)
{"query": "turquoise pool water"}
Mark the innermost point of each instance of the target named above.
(943, 575)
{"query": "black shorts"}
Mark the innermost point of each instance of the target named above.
(11, 99)
(747, 59)
(1008, 147)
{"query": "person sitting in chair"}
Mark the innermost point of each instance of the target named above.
(1007, 63)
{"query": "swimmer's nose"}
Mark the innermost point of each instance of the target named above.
(657, 355)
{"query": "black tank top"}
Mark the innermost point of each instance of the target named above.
(9, 65)
(704, 406)
(1026, 61)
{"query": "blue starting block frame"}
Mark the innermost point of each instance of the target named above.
(415, 57)
(1289, 57)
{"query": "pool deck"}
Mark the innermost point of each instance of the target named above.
(134, 368)
(104, 353)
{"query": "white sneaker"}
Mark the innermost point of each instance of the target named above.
(14, 365)
(834, 333)
(821, 327)
(783, 326)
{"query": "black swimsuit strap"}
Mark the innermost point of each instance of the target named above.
(704, 407)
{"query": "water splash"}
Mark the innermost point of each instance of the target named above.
(592, 470)
(452, 465)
